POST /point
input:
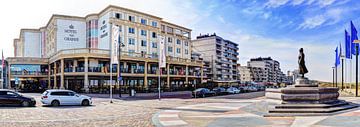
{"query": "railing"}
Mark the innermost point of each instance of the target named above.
(94, 69)
(68, 69)
(28, 73)
(79, 69)
(176, 72)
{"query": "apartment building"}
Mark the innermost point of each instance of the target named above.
(72, 52)
(262, 70)
(221, 56)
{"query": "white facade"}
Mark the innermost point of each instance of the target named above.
(70, 34)
(32, 44)
(104, 31)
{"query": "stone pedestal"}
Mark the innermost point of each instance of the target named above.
(304, 99)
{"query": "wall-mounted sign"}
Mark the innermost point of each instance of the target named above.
(71, 32)
(103, 29)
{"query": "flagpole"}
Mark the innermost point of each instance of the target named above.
(356, 71)
(111, 48)
(159, 83)
(342, 73)
(333, 76)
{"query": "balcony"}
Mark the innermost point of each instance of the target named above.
(82, 52)
(94, 69)
(79, 69)
(28, 73)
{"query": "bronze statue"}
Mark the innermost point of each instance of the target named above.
(301, 61)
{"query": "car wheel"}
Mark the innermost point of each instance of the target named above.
(85, 103)
(55, 103)
(25, 104)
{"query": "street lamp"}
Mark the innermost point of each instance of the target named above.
(119, 72)
(333, 70)
(342, 72)
(356, 72)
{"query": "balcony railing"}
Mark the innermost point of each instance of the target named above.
(28, 73)
(125, 54)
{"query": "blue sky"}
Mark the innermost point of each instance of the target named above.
(276, 28)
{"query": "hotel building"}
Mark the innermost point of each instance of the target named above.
(221, 58)
(72, 52)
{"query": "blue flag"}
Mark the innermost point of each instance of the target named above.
(353, 37)
(337, 57)
(347, 45)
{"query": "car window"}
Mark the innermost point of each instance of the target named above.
(11, 94)
(71, 93)
(60, 93)
(2, 93)
(45, 93)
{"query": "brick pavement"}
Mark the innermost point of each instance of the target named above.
(249, 112)
(124, 112)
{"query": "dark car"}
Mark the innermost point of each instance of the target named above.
(10, 98)
(219, 91)
(202, 92)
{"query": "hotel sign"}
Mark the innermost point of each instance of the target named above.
(71, 34)
(103, 29)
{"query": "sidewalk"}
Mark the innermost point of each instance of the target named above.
(179, 94)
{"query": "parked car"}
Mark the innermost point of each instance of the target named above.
(232, 90)
(251, 89)
(203, 92)
(219, 90)
(11, 98)
(57, 97)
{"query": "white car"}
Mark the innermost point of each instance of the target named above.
(232, 90)
(57, 97)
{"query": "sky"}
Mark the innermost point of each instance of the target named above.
(275, 28)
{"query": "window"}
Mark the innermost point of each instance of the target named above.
(131, 30)
(186, 51)
(178, 41)
(131, 41)
(131, 52)
(177, 50)
(118, 15)
(143, 21)
(186, 43)
(143, 33)
(170, 49)
(154, 24)
(11, 94)
(154, 44)
(153, 34)
(169, 39)
(60, 93)
(143, 42)
(154, 54)
(132, 18)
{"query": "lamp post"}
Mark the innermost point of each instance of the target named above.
(342, 73)
(119, 72)
(333, 72)
(356, 67)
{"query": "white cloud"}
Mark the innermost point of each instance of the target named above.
(323, 3)
(313, 22)
(297, 2)
(330, 17)
(275, 3)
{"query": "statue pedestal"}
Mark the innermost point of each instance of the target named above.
(307, 99)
